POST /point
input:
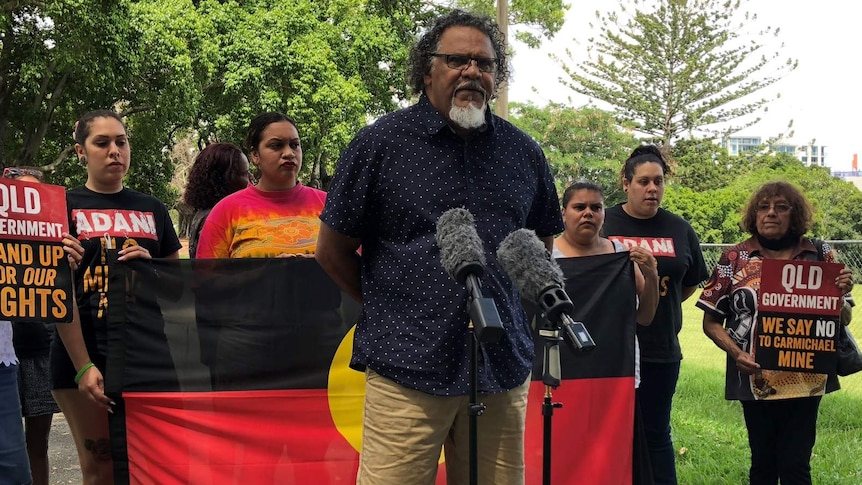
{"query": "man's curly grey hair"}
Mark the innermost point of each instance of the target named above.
(420, 54)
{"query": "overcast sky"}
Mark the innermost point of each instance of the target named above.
(822, 96)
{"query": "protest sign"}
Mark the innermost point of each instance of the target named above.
(798, 314)
(35, 278)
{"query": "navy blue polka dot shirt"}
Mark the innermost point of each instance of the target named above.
(392, 183)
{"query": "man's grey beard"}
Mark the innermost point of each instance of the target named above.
(469, 117)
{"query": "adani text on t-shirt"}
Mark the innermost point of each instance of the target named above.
(35, 278)
(798, 316)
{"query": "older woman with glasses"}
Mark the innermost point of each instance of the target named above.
(780, 414)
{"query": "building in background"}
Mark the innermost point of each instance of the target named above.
(810, 154)
(854, 176)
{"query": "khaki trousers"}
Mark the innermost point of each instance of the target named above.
(404, 430)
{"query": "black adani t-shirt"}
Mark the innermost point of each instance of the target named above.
(680, 264)
(105, 224)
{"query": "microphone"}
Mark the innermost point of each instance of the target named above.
(464, 261)
(539, 279)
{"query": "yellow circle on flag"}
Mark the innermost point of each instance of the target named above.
(346, 393)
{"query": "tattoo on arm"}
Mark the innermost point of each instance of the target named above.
(100, 448)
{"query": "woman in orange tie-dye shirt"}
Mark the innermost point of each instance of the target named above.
(279, 216)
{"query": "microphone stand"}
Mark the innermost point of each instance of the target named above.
(551, 377)
(485, 326)
(556, 306)
(475, 408)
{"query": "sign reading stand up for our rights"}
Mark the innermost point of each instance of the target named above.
(798, 316)
(35, 277)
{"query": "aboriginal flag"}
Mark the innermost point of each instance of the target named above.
(592, 433)
(246, 394)
(236, 371)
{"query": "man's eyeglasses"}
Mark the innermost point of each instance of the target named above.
(780, 207)
(18, 172)
(459, 62)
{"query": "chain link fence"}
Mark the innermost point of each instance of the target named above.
(849, 253)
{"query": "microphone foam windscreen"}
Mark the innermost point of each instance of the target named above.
(524, 257)
(458, 240)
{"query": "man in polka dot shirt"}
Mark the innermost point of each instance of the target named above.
(393, 182)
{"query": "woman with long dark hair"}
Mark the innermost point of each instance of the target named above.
(219, 170)
(278, 217)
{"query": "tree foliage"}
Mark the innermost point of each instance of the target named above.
(328, 64)
(580, 143)
(54, 58)
(702, 165)
(199, 70)
(532, 20)
(713, 204)
(679, 66)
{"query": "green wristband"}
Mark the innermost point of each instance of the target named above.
(84, 369)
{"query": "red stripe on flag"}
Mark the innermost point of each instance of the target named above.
(591, 435)
(235, 437)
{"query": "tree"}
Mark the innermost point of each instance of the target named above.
(54, 57)
(677, 66)
(533, 20)
(582, 143)
(702, 165)
(200, 69)
(715, 213)
(147, 66)
(328, 64)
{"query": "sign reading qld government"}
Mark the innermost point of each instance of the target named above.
(35, 278)
(798, 313)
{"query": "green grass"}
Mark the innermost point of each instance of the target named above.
(709, 432)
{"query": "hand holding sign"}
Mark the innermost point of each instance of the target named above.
(73, 249)
(844, 281)
(798, 315)
(745, 363)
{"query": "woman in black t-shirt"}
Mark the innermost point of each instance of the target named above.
(640, 221)
(107, 218)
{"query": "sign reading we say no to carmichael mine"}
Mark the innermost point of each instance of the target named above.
(35, 278)
(798, 316)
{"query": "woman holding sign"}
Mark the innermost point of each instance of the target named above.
(780, 406)
(15, 466)
(111, 221)
(25, 375)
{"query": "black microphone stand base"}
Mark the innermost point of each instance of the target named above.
(551, 377)
(476, 408)
(548, 413)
